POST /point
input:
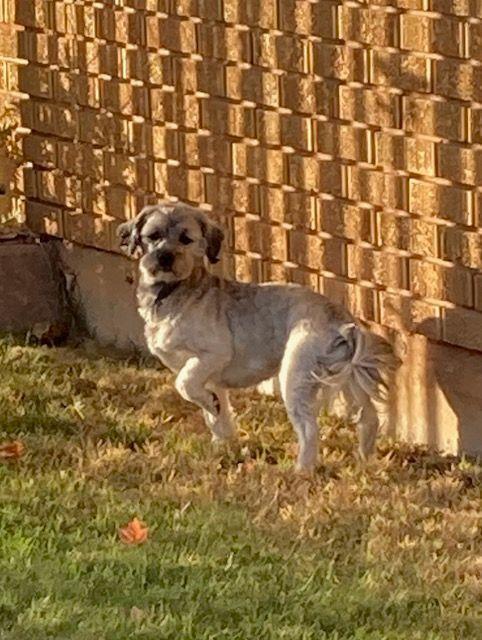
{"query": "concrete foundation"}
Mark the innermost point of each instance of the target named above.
(437, 398)
(102, 289)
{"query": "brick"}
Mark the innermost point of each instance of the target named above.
(184, 76)
(463, 328)
(211, 9)
(54, 186)
(454, 7)
(215, 152)
(279, 51)
(253, 84)
(98, 128)
(475, 40)
(256, 237)
(226, 193)
(311, 251)
(460, 164)
(228, 119)
(35, 14)
(381, 268)
(266, 164)
(376, 107)
(310, 173)
(117, 96)
(376, 187)
(308, 18)
(44, 218)
(39, 150)
(416, 155)
(36, 81)
(434, 200)
(440, 282)
(297, 132)
(408, 234)
(406, 71)
(462, 247)
(475, 115)
(339, 62)
(75, 88)
(423, 238)
(456, 79)
(343, 141)
(293, 207)
(54, 119)
(298, 93)
(434, 118)
(251, 12)
(185, 110)
(89, 57)
(173, 34)
(368, 26)
(93, 197)
(8, 40)
(346, 220)
(432, 34)
(81, 159)
(407, 314)
(87, 229)
(304, 172)
(268, 126)
(224, 42)
(159, 69)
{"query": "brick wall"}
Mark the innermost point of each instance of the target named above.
(340, 143)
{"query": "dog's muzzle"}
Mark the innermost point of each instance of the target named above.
(159, 260)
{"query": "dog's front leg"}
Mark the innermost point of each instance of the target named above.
(191, 383)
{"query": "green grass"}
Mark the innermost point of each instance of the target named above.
(239, 547)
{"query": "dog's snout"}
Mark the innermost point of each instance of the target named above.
(165, 260)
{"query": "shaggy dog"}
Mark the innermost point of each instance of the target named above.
(217, 335)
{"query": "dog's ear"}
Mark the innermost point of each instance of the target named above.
(124, 233)
(214, 237)
(129, 233)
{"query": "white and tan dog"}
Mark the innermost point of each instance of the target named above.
(218, 335)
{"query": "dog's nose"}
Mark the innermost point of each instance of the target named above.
(165, 260)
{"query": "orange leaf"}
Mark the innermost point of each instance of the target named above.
(14, 449)
(135, 532)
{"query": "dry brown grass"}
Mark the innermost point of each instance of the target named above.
(390, 550)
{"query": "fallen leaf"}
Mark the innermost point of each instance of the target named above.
(11, 450)
(135, 532)
(137, 614)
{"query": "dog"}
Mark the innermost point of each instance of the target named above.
(216, 334)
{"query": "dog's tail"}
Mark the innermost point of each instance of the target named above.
(359, 362)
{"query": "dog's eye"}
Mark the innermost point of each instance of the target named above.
(184, 238)
(154, 236)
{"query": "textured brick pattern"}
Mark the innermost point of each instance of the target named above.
(340, 142)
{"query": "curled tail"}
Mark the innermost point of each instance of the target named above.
(357, 361)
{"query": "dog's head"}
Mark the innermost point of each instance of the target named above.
(171, 239)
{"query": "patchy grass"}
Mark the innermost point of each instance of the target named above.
(239, 547)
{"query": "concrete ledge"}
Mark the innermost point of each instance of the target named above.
(32, 296)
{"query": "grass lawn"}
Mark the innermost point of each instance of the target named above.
(239, 547)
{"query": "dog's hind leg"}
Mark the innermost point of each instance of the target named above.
(300, 393)
(222, 427)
